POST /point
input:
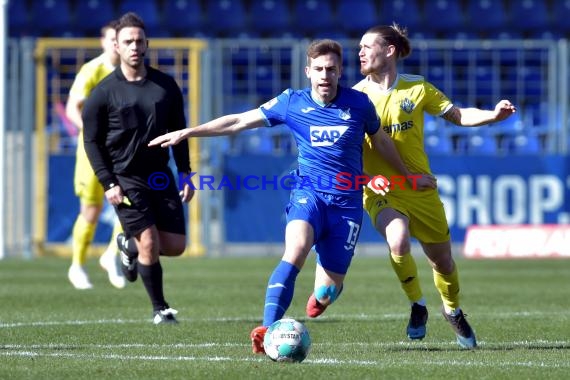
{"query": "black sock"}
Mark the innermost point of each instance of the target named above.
(151, 276)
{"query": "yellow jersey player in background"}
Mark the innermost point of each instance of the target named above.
(86, 184)
(401, 100)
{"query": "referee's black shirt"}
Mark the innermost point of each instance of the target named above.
(121, 117)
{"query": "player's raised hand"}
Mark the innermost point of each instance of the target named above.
(168, 139)
(504, 109)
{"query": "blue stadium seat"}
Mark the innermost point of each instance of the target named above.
(18, 18)
(432, 124)
(482, 141)
(356, 16)
(560, 16)
(526, 144)
(272, 17)
(451, 11)
(288, 34)
(184, 18)
(265, 80)
(226, 18)
(337, 34)
(537, 117)
(272, 70)
(406, 13)
(533, 78)
(91, 15)
(546, 34)
(258, 141)
(512, 126)
(437, 76)
(460, 35)
(416, 35)
(506, 35)
(239, 105)
(460, 138)
(485, 78)
(533, 115)
(438, 143)
(529, 15)
(313, 16)
(486, 15)
(52, 18)
(148, 11)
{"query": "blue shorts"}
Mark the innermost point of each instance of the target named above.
(336, 221)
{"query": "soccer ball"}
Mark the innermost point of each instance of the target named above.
(287, 340)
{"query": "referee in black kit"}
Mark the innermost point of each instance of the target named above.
(130, 107)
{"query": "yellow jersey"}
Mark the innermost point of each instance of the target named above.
(89, 75)
(401, 110)
(86, 184)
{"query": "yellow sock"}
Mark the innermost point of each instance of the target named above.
(117, 229)
(448, 287)
(407, 272)
(82, 236)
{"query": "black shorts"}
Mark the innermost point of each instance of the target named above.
(150, 206)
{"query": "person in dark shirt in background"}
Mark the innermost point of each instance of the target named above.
(127, 109)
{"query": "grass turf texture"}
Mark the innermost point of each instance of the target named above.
(48, 330)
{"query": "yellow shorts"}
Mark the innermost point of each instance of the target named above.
(87, 186)
(424, 210)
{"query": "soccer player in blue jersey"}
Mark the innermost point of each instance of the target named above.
(329, 123)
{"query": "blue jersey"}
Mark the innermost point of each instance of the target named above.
(329, 138)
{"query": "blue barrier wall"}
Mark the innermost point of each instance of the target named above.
(475, 190)
(63, 205)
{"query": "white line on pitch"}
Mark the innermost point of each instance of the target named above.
(383, 363)
(482, 344)
(331, 316)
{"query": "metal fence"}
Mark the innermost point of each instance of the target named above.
(239, 74)
(473, 73)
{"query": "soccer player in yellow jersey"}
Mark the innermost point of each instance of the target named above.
(86, 184)
(405, 211)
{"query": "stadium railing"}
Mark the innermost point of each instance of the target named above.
(221, 76)
(57, 62)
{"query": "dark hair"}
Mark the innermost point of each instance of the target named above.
(322, 47)
(110, 25)
(129, 20)
(393, 35)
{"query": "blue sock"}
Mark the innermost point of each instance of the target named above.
(279, 292)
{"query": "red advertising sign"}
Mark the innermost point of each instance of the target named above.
(526, 241)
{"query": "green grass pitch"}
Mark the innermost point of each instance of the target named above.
(520, 310)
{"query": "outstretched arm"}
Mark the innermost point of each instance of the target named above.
(222, 126)
(384, 145)
(73, 110)
(473, 117)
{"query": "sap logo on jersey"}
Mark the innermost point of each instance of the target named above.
(326, 136)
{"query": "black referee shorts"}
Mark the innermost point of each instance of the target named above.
(152, 202)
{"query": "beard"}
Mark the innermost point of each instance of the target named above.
(366, 70)
(375, 66)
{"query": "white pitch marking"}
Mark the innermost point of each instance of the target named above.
(59, 346)
(457, 363)
(343, 317)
